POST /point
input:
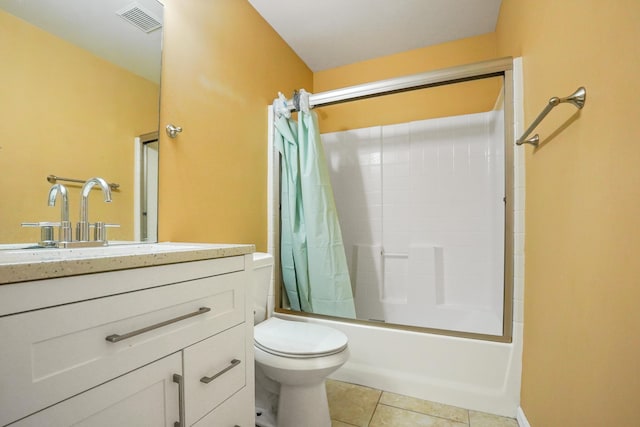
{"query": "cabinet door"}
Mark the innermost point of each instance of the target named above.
(145, 397)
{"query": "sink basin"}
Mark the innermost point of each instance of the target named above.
(31, 254)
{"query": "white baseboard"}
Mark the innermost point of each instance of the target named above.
(522, 420)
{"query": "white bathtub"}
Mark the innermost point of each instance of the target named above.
(472, 374)
(468, 373)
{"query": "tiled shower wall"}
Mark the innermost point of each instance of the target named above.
(422, 215)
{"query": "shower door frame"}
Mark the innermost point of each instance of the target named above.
(481, 70)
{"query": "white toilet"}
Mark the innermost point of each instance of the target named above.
(292, 361)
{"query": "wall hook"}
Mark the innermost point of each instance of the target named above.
(173, 131)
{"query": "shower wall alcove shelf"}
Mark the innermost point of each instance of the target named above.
(53, 179)
(578, 99)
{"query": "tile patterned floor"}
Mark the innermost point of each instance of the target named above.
(353, 405)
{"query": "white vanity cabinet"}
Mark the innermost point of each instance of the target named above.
(148, 346)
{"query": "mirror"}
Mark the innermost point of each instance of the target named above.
(80, 97)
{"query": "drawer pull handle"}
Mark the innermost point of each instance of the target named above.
(117, 338)
(207, 380)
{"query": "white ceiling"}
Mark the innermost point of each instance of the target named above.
(331, 33)
(324, 33)
(94, 26)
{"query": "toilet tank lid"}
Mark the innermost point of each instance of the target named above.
(261, 259)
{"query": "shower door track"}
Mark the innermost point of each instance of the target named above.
(462, 73)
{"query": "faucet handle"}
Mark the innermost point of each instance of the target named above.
(46, 231)
(40, 224)
(100, 230)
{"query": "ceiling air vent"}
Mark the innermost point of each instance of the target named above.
(139, 17)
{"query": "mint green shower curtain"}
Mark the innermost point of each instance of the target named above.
(314, 265)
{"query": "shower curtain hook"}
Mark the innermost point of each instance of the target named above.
(280, 106)
(296, 100)
(303, 101)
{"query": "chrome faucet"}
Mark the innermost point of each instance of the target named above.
(82, 232)
(64, 232)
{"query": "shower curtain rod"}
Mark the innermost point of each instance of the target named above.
(427, 79)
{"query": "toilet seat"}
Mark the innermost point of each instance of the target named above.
(298, 340)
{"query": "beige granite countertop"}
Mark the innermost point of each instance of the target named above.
(21, 265)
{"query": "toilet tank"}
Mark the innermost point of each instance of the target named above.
(262, 268)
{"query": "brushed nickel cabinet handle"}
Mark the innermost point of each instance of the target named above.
(207, 380)
(180, 381)
(117, 338)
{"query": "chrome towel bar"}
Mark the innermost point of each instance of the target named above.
(578, 98)
(52, 179)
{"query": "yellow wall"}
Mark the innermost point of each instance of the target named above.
(462, 98)
(222, 65)
(68, 113)
(582, 322)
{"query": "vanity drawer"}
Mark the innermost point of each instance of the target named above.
(51, 354)
(232, 413)
(214, 369)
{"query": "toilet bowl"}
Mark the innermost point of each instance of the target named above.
(293, 359)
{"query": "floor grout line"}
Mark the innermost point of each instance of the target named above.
(375, 407)
(430, 415)
(466, 423)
